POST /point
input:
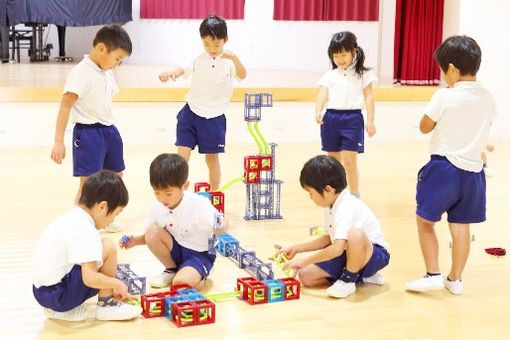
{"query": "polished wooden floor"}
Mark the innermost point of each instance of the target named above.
(34, 191)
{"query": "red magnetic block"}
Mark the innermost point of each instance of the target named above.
(202, 185)
(177, 287)
(266, 162)
(496, 251)
(153, 305)
(252, 162)
(292, 288)
(218, 200)
(193, 313)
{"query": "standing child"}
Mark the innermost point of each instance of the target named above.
(72, 264)
(88, 93)
(354, 249)
(202, 120)
(347, 89)
(453, 180)
(179, 227)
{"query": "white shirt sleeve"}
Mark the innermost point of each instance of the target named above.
(342, 226)
(368, 78)
(85, 248)
(325, 80)
(113, 84)
(76, 82)
(435, 108)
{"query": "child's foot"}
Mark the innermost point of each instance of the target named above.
(456, 287)
(113, 228)
(76, 314)
(341, 289)
(116, 310)
(426, 283)
(163, 280)
(376, 279)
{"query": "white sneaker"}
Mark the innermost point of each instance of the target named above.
(341, 289)
(376, 279)
(162, 280)
(455, 287)
(426, 283)
(120, 311)
(76, 314)
(113, 228)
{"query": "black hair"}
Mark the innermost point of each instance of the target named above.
(346, 41)
(104, 185)
(114, 36)
(214, 27)
(321, 171)
(168, 170)
(461, 51)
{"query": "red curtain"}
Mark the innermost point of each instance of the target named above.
(418, 32)
(348, 10)
(326, 10)
(191, 9)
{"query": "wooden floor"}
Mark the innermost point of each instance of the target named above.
(34, 191)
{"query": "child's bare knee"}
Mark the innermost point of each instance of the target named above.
(153, 234)
(305, 277)
(355, 235)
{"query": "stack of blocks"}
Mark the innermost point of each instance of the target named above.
(217, 197)
(257, 292)
(136, 284)
(183, 305)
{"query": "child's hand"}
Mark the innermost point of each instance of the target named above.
(58, 153)
(370, 128)
(318, 118)
(121, 292)
(295, 264)
(228, 55)
(224, 224)
(126, 242)
(165, 76)
(289, 252)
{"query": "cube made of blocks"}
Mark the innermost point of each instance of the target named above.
(218, 200)
(251, 176)
(171, 300)
(136, 284)
(227, 244)
(202, 186)
(292, 288)
(252, 290)
(252, 162)
(192, 313)
(276, 290)
(266, 162)
(153, 305)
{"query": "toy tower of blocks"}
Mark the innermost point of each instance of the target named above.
(217, 198)
(263, 191)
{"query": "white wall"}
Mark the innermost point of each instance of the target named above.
(487, 22)
(258, 40)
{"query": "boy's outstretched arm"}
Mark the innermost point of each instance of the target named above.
(59, 151)
(240, 70)
(426, 124)
(172, 74)
(131, 241)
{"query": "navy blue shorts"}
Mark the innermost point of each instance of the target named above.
(379, 259)
(343, 130)
(65, 295)
(96, 147)
(202, 261)
(193, 130)
(442, 187)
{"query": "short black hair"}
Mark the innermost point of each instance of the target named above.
(214, 27)
(168, 170)
(104, 185)
(114, 36)
(461, 51)
(321, 171)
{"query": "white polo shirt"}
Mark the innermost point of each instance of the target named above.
(350, 212)
(463, 116)
(95, 89)
(345, 88)
(211, 85)
(190, 223)
(69, 240)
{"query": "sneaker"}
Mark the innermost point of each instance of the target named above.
(455, 287)
(119, 311)
(76, 314)
(376, 279)
(113, 228)
(162, 280)
(426, 283)
(341, 289)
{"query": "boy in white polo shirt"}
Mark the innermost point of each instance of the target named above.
(179, 227)
(202, 120)
(72, 264)
(354, 249)
(453, 180)
(87, 96)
